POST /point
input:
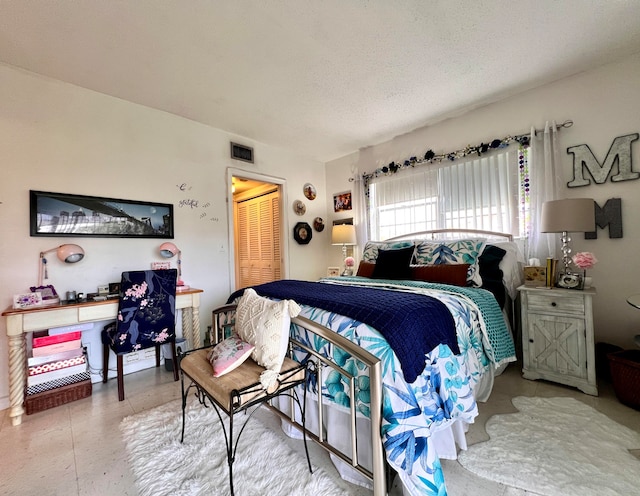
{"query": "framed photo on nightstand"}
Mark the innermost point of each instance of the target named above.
(333, 271)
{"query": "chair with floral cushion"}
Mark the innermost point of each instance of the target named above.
(146, 318)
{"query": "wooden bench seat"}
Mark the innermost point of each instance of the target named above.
(237, 391)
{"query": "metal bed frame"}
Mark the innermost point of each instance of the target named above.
(222, 322)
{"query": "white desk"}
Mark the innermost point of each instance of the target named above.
(20, 322)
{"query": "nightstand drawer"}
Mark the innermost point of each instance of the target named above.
(573, 305)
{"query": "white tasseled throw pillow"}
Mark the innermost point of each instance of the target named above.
(265, 324)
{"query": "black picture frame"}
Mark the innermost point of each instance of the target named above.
(302, 233)
(62, 214)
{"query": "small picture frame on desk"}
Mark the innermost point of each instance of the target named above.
(48, 293)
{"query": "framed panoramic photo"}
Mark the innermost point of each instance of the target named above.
(61, 214)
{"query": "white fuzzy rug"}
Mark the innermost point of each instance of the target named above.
(557, 447)
(263, 465)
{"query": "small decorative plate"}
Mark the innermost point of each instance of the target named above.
(299, 207)
(309, 191)
(302, 233)
(318, 224)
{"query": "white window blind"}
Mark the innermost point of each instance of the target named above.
(478, 193)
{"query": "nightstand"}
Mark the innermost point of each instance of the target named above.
(557, 336)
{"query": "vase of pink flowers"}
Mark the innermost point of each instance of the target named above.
(349, 264)
(585, 260)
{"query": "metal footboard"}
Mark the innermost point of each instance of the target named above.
(223, 322)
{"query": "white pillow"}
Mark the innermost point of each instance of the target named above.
(265, 324)
(511, 266)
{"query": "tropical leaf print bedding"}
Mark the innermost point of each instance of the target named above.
(444, 392)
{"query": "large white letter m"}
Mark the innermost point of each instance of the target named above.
(620, 151)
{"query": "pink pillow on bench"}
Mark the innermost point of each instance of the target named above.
(229, 354)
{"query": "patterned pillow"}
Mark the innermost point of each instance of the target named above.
(465, 251)
(265, 324)
(370, 253)
(229, 354)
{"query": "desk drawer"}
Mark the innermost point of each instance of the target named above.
(57, 317)
(573, 305)
(107, 311)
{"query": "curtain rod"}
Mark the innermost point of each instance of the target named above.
(431, 156)
(565, 124)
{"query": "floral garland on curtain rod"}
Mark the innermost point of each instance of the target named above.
(431, 157)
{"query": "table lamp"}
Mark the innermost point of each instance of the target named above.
(343, 234)
(168, 250)
(567, 216)
(68, 253)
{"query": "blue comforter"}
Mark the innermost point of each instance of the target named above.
(409, 322)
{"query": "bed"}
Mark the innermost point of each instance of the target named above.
(368, 374)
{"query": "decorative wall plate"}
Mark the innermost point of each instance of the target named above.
(299, 207)
(318, 224)
(302, 233)
(309, 191)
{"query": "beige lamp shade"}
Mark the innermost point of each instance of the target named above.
(343, 234)
(568, 215)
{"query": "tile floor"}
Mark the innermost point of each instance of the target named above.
(76, 449)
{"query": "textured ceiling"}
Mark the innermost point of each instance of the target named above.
(324, 78)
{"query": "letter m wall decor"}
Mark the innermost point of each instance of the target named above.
(583, 158)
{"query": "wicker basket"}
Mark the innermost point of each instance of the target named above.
(625, 373)
(38, 402)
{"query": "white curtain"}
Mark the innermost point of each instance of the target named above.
(476, 193)
(544, 185)
(360, 220)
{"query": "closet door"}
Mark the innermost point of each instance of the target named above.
(258, 240)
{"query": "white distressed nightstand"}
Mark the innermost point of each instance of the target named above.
(557, 336)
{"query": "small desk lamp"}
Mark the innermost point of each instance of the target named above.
(66, 254)
(168, 250)
(343, 234)
(567, 216)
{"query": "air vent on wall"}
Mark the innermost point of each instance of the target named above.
(241, 152)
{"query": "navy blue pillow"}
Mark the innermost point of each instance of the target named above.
(491, 273)
(393, 264)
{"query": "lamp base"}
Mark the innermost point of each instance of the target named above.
(181, 286)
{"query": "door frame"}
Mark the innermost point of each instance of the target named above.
(284, 263)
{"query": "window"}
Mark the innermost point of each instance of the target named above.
(470, 193)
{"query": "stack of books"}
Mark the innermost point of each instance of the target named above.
(57, 371)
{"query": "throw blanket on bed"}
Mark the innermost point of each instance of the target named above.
(412, 324)
(502, 349)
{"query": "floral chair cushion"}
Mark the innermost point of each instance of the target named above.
(146, 311)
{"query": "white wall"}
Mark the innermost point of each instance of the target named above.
(604, 104)
(61, 138)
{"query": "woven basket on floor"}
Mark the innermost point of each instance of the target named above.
(625, 374)
(55, 397)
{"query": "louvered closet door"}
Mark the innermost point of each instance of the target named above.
(258, 239)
